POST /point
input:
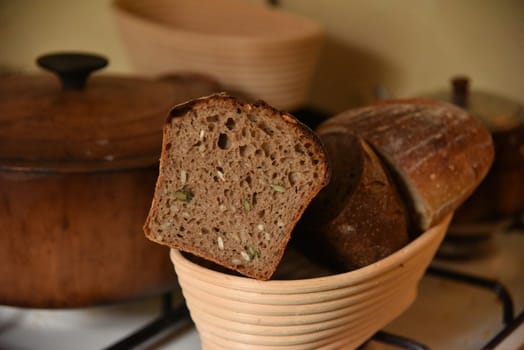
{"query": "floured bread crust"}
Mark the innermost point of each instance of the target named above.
(438, 152)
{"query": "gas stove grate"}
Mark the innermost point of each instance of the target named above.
(171, 316)
(505, 332)
(491, 285)
(510, 321)
(168, 318)
(398, 341)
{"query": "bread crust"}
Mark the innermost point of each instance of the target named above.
(437, 152)
(359, 218)
(182, 108)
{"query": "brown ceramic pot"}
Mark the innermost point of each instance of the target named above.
(78, 165)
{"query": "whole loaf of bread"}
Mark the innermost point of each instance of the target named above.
(437, 152)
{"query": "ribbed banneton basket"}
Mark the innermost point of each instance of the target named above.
(263, 52)
(339, 311)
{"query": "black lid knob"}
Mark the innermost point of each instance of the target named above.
(460, 91)
(72, 68)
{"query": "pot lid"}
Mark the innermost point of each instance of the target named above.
(497, 112)
(76, 124)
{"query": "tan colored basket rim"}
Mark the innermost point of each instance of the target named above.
(435, 233)
(311, 31)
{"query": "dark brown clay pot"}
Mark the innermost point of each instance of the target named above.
(78, 166)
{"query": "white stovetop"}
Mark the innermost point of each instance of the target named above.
(446, 315)
(86, 328)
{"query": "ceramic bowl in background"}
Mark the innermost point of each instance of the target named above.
(260, 51)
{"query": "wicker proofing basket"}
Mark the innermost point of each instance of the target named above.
(260, 51)
(335, 312)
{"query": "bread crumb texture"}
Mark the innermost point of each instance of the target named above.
(234, 179)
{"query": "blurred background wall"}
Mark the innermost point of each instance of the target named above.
(405, 47)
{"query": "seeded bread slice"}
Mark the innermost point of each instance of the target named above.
(438, 152)
(359, 217)
(234, 179)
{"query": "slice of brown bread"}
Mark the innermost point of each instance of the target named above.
(438, 152)
(234, 179)
(359, 217)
